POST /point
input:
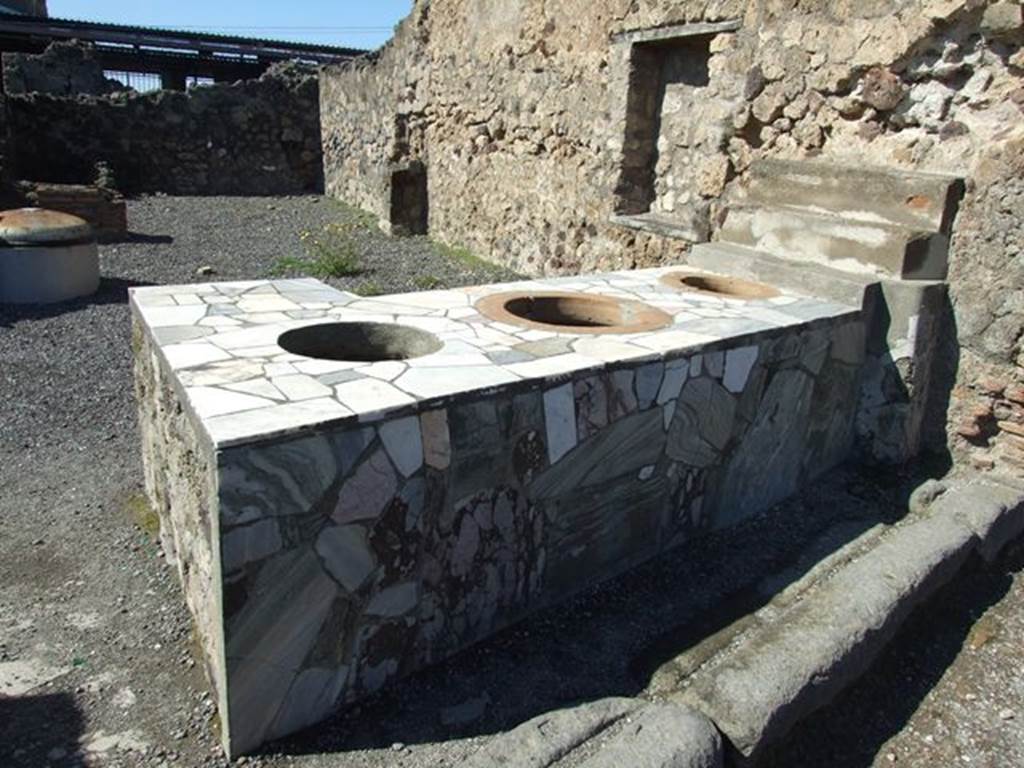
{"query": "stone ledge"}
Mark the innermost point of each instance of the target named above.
(692, 231)
(868, 247)
(747, 262)
(675, 31)
(749, 684)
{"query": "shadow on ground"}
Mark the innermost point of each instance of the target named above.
(111, 291)
(610, 640)
(39, 730)
(141, 237)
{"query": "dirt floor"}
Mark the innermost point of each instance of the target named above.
(96, 657)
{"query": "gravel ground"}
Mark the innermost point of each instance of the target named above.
(243, 238)
(66, 366)
(92, 621)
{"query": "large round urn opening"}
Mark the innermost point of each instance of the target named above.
(359, 342)
(573, 312)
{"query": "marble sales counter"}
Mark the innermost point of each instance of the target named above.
(339, 522)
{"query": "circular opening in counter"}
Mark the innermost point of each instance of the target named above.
(573, 312)
(729, 287)
(359, 342)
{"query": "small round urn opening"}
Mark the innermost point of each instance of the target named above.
(727, 287)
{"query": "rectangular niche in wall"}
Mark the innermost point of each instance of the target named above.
(409, 212)
(670, 128)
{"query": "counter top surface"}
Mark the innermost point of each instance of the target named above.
(220, 340)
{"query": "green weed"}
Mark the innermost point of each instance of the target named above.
(331, 252)
(428, 282)
(464, 256)
(143, 514)
(368, 289)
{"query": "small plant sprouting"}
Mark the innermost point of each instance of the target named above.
(144, 515)
(333, 250)
(368, 289)
(462, 255)
(288, 265)
(428, 282)
(470, 261)
(332, 253)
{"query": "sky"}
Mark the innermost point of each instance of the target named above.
(350, 23)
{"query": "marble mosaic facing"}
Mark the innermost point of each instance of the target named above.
(220, 341)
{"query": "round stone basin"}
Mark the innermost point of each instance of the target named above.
(572, 312)
(359, 342)
(727, 287)
(46, 257)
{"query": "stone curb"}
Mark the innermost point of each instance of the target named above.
(662, 736)
(995, 513)
(542, 741)
(646, 736)
(759, 689)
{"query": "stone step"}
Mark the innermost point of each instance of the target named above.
(871, 248)
(823, 282)
(925, 201)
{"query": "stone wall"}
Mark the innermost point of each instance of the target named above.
(533, 127)
(30, 7)
(8, 196)
(27, 7)
(104, 209)
(253, 137)
(65, 68)
(986, 356)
